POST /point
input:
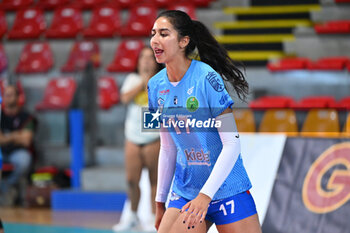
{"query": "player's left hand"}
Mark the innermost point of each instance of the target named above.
(196, 210)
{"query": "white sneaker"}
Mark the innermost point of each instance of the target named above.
(149, 225)
(131, 222)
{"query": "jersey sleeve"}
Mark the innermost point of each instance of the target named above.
(216, 94)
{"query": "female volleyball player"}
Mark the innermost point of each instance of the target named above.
(210, 183)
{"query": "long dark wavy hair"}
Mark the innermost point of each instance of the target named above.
(209, 50)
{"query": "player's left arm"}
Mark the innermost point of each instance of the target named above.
(229, 154)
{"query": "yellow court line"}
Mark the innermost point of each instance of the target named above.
(262, 24)
(271, 9)
(255, 55)
(254, 38)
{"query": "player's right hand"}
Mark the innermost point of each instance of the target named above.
(160, 210)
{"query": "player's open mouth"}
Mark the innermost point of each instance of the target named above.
(158, 52)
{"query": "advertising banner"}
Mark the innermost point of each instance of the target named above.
(312, 188)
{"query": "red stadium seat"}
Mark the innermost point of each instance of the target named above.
(105, 22)
(288, 64)
(108, 94)
(51, 4)
(333, 27)
(162, 3)
(3, 59)
(81, 53)
(271, 102)
(14, 5)
(311, 102)
(36, 57)
(126, 55)
(58, 94)
(21, 96)
(3, 24)
(67, 23)
(125, 3)
(342, 1)
(87, 4)
(200, 3)
(187, 7)
(343, 104)
(29, 24)
(140, 21)
(329, 63)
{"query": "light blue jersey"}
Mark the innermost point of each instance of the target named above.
(201, 96)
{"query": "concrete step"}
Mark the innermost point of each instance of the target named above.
(111, 178)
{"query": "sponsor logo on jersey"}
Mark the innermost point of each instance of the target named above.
(175, 100)
(215, 81)
(192, 104)
(160, 101)
(164, 92)
(197, 157)
(327, 183)
(190, 90)
(223, 99)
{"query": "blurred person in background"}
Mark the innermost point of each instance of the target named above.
(141, 149)
(16, 141)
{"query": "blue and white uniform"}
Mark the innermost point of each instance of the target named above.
(200, 90)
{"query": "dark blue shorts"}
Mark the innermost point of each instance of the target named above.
(224, 211)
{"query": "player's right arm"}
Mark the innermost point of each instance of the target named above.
(166, 169)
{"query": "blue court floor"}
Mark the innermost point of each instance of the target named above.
(31, 228)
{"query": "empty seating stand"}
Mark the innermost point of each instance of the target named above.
(333, 27)
(288, 64)
(126, 3)
(67, 23)
(271, 102)
(312, 102)
(187, 7)
(87, 4)
(162, 3)
(21, 94)
(14, 5)
(105, 22)
(140, 21)
(3, 59)
(126, 55)
(201, 3)
(329, 63)
(81, 53)
(36, 57)
(3, 24)
(58, 94)
(29, 24)
(51, 4)
(108, 92)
